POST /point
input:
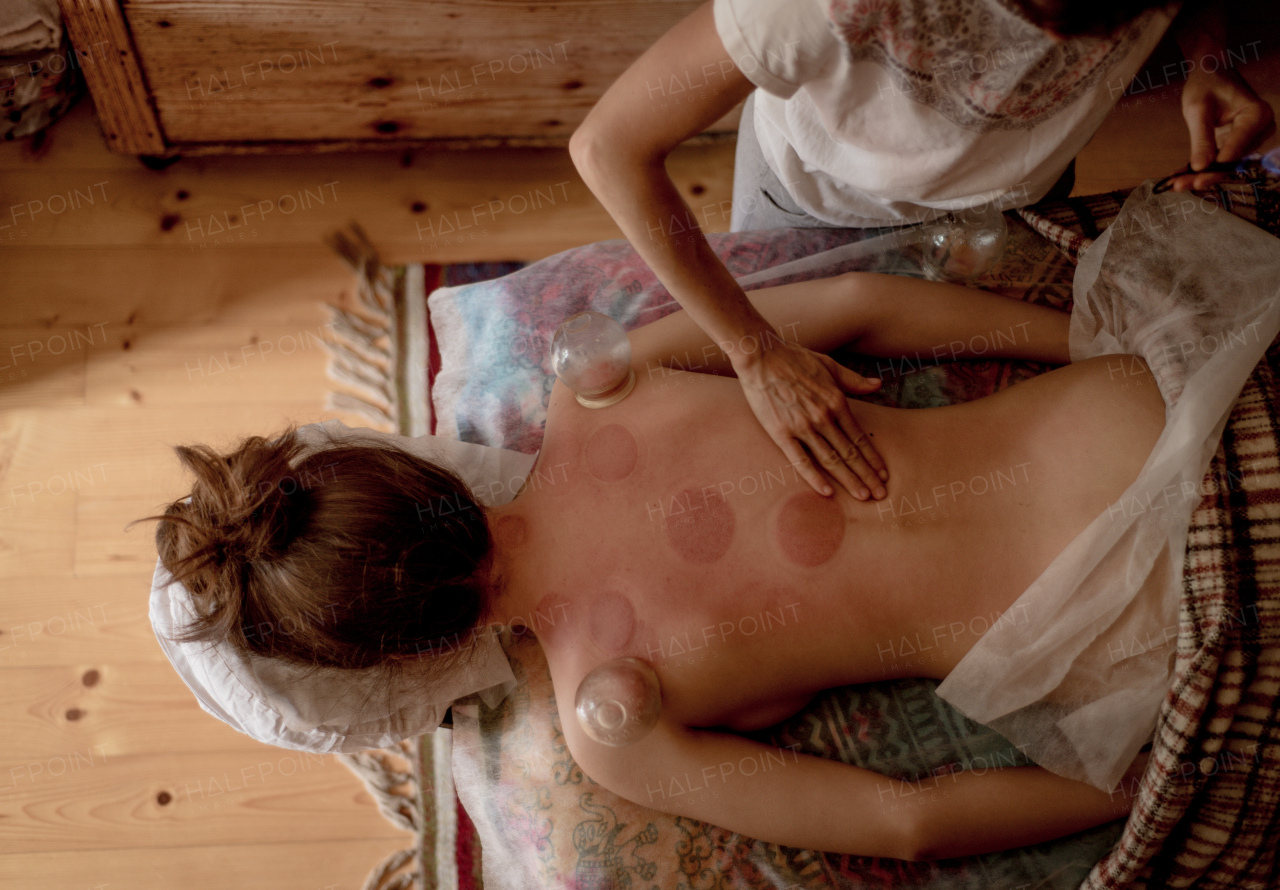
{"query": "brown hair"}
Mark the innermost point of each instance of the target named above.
(354, 556)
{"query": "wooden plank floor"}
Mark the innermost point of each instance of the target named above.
(115, 312)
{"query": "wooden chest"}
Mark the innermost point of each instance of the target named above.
(196, 76)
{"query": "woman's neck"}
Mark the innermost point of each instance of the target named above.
(508, 529)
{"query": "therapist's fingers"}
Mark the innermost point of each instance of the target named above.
(797, 399)
(1252, 123)
(853, 382)
(840, 455)
(839, 445)
(829, 430)
(1195, 181)
(804, 465)
(1200, 116)
(781, 389)
(1200, 112)
(1225, 120)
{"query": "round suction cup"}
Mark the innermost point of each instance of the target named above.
(966, 244)
(591, 355)
(618, 703)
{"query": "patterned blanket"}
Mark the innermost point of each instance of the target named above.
(1207, 813)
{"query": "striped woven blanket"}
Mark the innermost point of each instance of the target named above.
(1208, 814)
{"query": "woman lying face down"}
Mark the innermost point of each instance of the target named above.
(669, 528)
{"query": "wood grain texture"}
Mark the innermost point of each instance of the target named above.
(77, 622)
(491, 204)
(106, 55)
(252, 75)
(130, 708)
(295, 865)
(79, 796)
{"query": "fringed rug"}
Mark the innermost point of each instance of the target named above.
(381, 360)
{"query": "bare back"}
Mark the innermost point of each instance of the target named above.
(669, 527)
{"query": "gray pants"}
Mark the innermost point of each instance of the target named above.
(761, 201)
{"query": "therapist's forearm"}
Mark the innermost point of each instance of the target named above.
(644, 202)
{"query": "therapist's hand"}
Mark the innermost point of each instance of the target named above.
(798, 397)
(1212, 101)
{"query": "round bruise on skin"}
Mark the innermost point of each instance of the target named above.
(699, 528)
(611, 621)
(612, 453)
(510, 532)
(810, 528)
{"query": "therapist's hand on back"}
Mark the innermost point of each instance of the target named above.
(798, 397)
(620, 150)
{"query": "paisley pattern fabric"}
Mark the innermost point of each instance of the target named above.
(545, 825)
(979, 64)
(492, 379)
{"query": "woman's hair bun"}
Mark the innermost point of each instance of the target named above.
(338, 554)
(257, 526)
(244, 507)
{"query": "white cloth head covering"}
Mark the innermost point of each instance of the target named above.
(329, 709)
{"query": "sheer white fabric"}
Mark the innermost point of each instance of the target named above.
(1195, 291)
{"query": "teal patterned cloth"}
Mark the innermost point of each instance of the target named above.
(494, 377)
(543, 823)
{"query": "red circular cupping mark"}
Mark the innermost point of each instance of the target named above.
(511, 531)
(810, 528)
(700, 528)
(612, 453)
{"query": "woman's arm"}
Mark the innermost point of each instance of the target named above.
(778, 795)
(620, 151)
(880, 315)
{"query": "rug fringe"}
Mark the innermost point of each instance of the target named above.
(349, 366)
(383, 377)
(361, 356)
(377, 879)
(347, 403)
(366, 335)
(380, 774)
